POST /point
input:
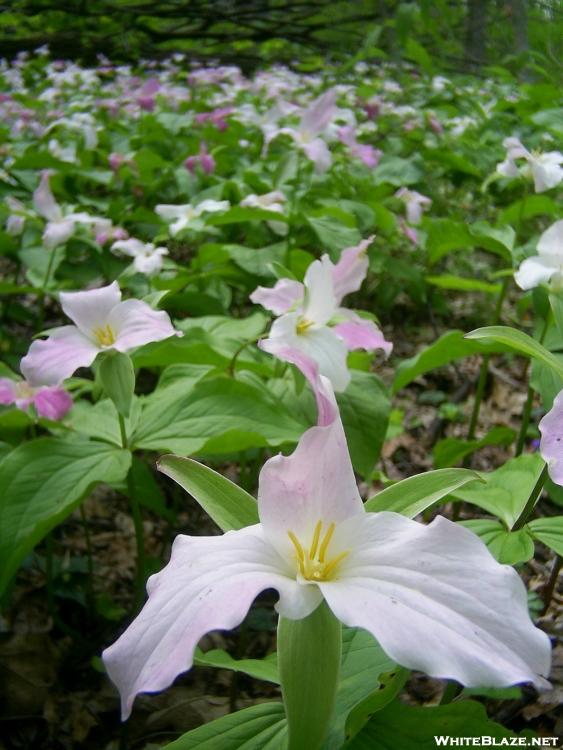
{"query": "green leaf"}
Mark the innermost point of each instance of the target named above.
(334, 235)
(226, 503)
(389, 686)
(449, 347)
(117, 376)
(549, 531)
(413, 495)
(499, 240)
(458, 283)
(527, 208)
(261, 727)
(238, 215)
(261, 669)
(506, 490)
(445, 235)
(364, 408)
(406, 727)
(517, 341)
(396, 171)
(100, 421)
(309, 652)
(508, 547)
(43, 481)
(451, 451)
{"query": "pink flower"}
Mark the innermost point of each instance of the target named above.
(551, 443)
(216, 117)
(415, 204)
(102, 322)
(50, 402)
(366, 153)
(433, 596)
(204, 159)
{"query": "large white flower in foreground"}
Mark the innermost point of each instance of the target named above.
(60, 227)
(182, 216)
(547, 265)
(545, 169)
(433, 596)
(312, 321)
(102, 321)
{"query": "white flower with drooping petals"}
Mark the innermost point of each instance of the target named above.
(547, 265)
(273, 201)
(415, 203)
(147, 258)
(182, 216)
(102, 322)
(433, 596)
(545, 169)
(312, 321)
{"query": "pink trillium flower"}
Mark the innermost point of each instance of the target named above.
(50, 402)
(217, 117)
(545, 169)
(551, 443)
(547, 265)
(147, 258)
(369, 155)
(311, 320)
(61, 227)
(182, 216)
(433, 596)
(102, 322)
(204, 159)
(415, 204)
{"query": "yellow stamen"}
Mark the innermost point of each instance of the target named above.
(303, 325)
(299, 549)
(326, 542)
(315, 542)
(105, 335)
(330, 566)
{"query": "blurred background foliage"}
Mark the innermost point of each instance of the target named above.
(505, 37)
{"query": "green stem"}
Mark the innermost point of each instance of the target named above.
(532, 500)
(527, 411)
(122, 431)
(550, 585)
(484, 371)
(242, 347)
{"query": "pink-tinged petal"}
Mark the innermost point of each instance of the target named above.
(320, 299)
(279, 299)
(135, 323)
(52, 403)
(44, 201)
(551, 443)
(359, 333)
(91, 309)
(7, 391)
(50, 361)
(57, 233)
(315, 483)
(209, 584)
(551, 241)
(318, 152)
(319, 114)
(437, 601)
(350, 271)
(536, 270)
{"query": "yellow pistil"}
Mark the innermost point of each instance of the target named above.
(313, 564)
(303, 325)
(105, 336)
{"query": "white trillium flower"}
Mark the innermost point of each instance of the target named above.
(545, 169)
(182, 216)
(415, 204)
(102, 322)
(547, 265)
(273, 201)
(433, 596)
(147, 258)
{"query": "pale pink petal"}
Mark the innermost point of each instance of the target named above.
(58, 232)
(90, 309)
(318, 152)
(319, 114)
(7, 391)
(315, 483)
(52, 403)
(279, 299)
(50, 361)
(350, 271)
(437, 601)
(44, 202)
(135, 323)
(209, 584)
(551, 443)
(359, 333)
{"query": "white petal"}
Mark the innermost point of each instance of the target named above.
(50, 361)
(131, 247)
(330, 353)
(437, 601)
(44, 201)
(280, 298)
(535, 271)
(320, 299)
(90, 309)
(168, 212)
(551, 241)
(209, 584)
(58, 232)
(211, 206)
(135, 323)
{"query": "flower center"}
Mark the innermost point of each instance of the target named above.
(303, 325)
(315, 564)
(104, 335)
